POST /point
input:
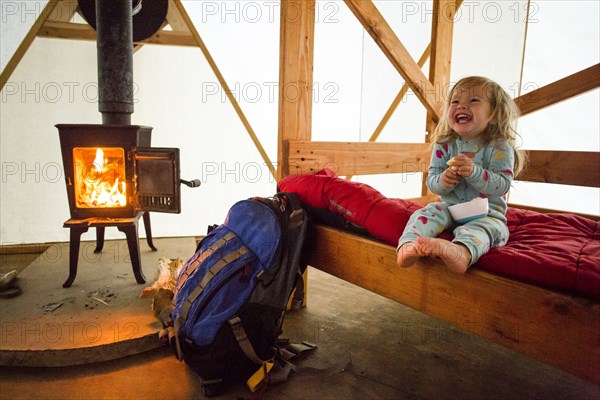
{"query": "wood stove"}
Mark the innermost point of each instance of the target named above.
(111, 171)
(113, 176)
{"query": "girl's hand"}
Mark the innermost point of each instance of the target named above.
(449, 178)
(461, 165)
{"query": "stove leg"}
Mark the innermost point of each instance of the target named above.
(134, 250)
(99, 239)
(75, 240)
(148, 230)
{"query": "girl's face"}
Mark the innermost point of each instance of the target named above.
(469, 112)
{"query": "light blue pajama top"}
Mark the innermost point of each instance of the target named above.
(492, 173)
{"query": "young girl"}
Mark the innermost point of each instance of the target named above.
(475, 135)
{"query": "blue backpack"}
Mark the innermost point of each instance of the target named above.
(231, 296)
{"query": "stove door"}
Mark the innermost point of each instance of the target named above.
(156, 179)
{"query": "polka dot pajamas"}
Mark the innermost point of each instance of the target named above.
(491, 178)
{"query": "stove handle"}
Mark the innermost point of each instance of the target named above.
(193, 183)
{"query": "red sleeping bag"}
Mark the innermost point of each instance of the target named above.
(559, 251)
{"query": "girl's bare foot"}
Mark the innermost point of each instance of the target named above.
(456, 256)
(408, 254)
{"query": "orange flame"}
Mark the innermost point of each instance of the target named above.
(104, 184)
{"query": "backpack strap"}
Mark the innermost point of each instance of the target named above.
(244, 342)
(295, 219)
(286, 363)
(190, 270)
(165, 315)
(283, 365)
(175, 333)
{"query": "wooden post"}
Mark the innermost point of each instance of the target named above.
(297, 28)
(440, 59)
(296, 50)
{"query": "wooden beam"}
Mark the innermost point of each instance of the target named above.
(296, 52)
(558, 329)
(67, 30)
(213, 65)
(560, 90)
(73, 31)
(26, 43)
(579, 168)
(356, 158)
(171, 38)
(374, 23)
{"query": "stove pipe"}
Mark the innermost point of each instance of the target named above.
(114, 29)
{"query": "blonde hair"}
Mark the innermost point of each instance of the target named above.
(502, 121)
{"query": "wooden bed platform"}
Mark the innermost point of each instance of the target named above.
(557, 328)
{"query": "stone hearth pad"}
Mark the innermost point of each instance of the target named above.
(101, 317)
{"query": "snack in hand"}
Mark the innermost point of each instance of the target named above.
(453, 163)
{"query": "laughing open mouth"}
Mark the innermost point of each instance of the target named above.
(462, 118)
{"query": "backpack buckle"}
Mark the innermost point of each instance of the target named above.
(265, 278)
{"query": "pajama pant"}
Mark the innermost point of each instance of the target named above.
(478, 235)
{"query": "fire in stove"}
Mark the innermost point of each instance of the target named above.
(100, 177)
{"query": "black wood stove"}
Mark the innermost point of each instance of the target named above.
(113, 176)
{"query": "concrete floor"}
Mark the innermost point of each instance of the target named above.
(395, 353)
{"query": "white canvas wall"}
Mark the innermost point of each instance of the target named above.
(177, 94)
